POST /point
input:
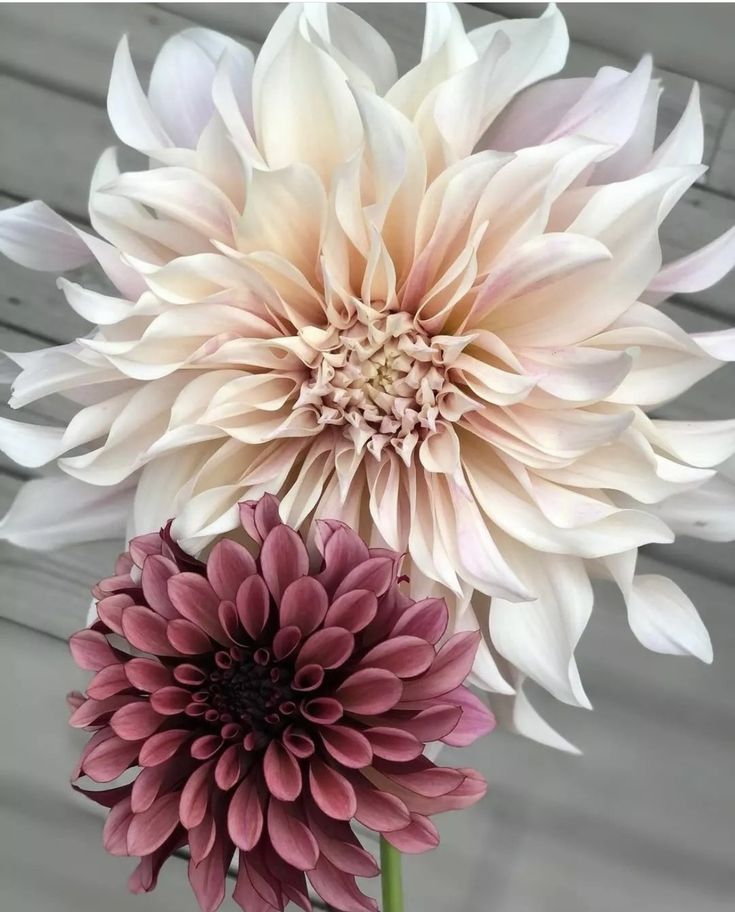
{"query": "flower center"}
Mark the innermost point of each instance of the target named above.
(248, 687)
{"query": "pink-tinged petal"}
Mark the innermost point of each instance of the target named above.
(451, 666)
(476, 719)
(135, 721)
(347, 746)
(256, 889)
(142, 546)
(150, 829)
(375, 574)
(253, 605)
(188, 638)
(227, 566)
(369, 691)
(290, 837)
(285, 641)
(189, 674)
(304, 604)
(353, 610)
(426, 619)
(115, 832)
(110, 611)
(298, 743)
(229, 768)
(291, 882)
(196, 601)
(157, 571)
(230, 620)
(107, 682)
(108, 798)
(308, 678)
(331, 791)
(339, 844)
(419, 836)
(145, 876)
(195, 796)
(206, 746)
(322, 710)
(282, 772)
(146, 630)
(147, 674)
(393, 744)
(92, 711)
(330, 647)
(339, 889)
(109, 759)
(404, 656)
(260, 517)
(201, 839)
(148, 785)
(91, 651)
(378, 810)
(283, 559)
(207, 878)
(343, 551)
(245, 815)
(431, 724)
(170, 701)
(421, 776)
(162, 746)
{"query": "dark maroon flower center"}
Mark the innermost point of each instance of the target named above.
(248, 687)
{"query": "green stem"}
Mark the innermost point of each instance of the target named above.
(390, 875)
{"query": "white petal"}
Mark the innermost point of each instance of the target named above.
(685, 144)
(697, 270)
(707, 513)
(664, 620)
(36, 237)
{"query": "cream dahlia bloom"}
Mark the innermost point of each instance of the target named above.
(425, 305)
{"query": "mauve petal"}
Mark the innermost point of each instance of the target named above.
(285, 641)
(135, 721)
(108, 798)
(157, 570)
(110, 611)
(303, 605)
(298, 743)
(343, 550)
(229, 768)
(282, 772)
(339, 844)
(451, 666)
(253, 605)
(377, 810)
(339, 889)
(206, 746)
(196, 601)
(375, 574)
(92, 711)
(145, 875)
(148, 785)
(290, 837)
(110, 759)
(245, 815)
(430, 724)
(195, 795)
(207, 878)
(291, 882)
(405, 656)
(115, 831)
(322, 710)
(421, 776)
(427, 619)
(419, 836)
(142, 546)
(229, 563)
(162, 746)
(201, 839)
(91, 651)
(230, 620)
(170, 701)
(189, 674)
(353, 610)
(108, 681)
(347, 746)
(283, 559)
(331, 791)
(150, 829)
(393, 743)
(308, 678)
(188, 638)
(146, 630)
(256, 890)
(147, 674)
(329, 647)
(475, 721)
(259, 517)
(369, 691)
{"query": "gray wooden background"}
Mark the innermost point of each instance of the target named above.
(644, 820)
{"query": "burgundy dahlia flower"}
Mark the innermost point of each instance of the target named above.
(265, 704)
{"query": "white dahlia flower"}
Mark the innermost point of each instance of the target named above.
(425, 305)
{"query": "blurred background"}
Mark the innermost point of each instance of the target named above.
(645, 819)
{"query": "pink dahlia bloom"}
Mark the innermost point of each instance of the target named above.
(266, 706)
(423, 304)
